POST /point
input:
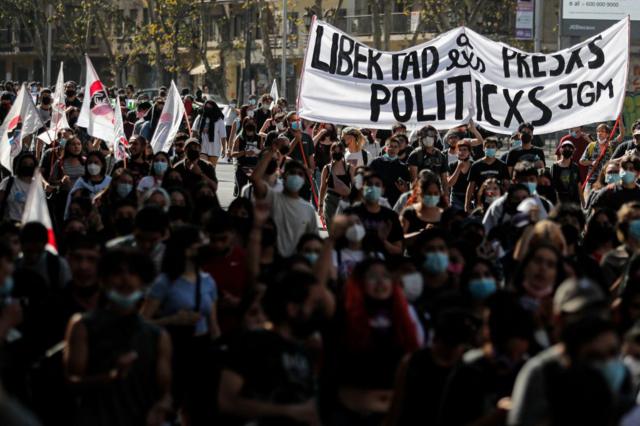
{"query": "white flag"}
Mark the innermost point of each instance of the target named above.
(36, 209)
(58, 114)
(96, 114)
(169, 122)
(119, 142)
(22, 111)
(274, 92)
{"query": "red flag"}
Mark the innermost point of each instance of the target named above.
(96, 114)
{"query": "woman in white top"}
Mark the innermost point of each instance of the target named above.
(14, 189)
(355, 155)
(94, 179)
(209, 126)
(159, 166)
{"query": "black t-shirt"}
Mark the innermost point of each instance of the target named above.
(246, 143)
(390, 171)
(623, 148)
(307, 146)
(322, 155)
(424, 385)
(274, 370)
(615, 197)
(137, 169)
(189, 179)
(416, 224)
(520, 154)
(374, 222)
(565, 181)
(481, 171)
(260, 117)
(474, 389)
(463, 178)
(436, 161)
(74, 103)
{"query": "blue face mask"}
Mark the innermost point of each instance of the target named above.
(436, 262)
(573, 134)
(612, 178)
(634, 229)
(627, 177)
(311, 257)
(124, 189)
(490, 152)
(294, 183)
(431, 200)
(614, 371)
(481, 288)
(390, 158)
(160, 167)
(532, 187)
(516, 144)
(124, 302)
(372, 193)
(7, 287)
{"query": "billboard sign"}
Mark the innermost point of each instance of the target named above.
(584, 18)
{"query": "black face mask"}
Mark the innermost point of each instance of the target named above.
(86, 291)
(571, 234)
(70, 93)
(123, 225)
(192, 154)
(337, 156)
(525, 138)
(178, 213)
(567, 153)
(26, 171)
(72, 121)
(46, 101)
(284, 150)
(205, 203)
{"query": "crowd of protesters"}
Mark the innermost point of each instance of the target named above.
(359, 277)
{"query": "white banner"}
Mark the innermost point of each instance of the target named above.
(169, 122)
(462, 75)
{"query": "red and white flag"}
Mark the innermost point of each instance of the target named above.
(120, 142)
(36, 210)
(58, 114)
(96, 114)
(169, 122)
(24, 112)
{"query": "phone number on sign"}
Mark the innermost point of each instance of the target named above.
(599, 4)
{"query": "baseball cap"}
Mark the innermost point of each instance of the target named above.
(577, 294)
(636, 131)
(191, 141)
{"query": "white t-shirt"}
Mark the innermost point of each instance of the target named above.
(16, 198)
(293, 217)
(348, 260)
(355, 159)
(452, 158)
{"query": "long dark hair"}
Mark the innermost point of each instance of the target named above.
(213, 115)
(174, 261)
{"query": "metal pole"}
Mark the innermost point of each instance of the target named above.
(283, 65)
(49, 29)
(537, 41)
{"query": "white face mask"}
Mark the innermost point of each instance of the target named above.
(429, 141)
(355, 233)
(412, 284)
(358, 181)
(94, 169)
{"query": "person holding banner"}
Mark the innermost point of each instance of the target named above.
(427, 156)
(599, 152)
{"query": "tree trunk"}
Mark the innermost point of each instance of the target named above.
(387, 23)
(265, 29)
(113, 63)
(158, 53)
(375, 23)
